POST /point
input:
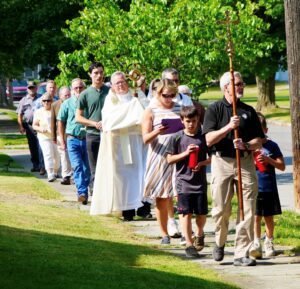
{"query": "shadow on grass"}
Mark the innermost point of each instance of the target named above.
(277, 114)
(31, 259)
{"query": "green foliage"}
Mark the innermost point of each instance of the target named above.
(31, 33)
(157, 34)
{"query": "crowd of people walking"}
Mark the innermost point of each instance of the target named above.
(128, 151)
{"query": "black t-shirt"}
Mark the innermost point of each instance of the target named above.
(188, 181)
(218, 115)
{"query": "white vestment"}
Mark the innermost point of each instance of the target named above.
(119, 177)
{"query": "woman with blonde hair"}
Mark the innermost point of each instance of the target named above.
(158, 176)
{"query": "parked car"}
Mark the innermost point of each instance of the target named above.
(19, 89)
(41, 88)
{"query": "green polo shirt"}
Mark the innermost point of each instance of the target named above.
(67, 114)
(91, 101)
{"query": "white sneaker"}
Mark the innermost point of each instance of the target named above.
(256, 251)
(269, 248)
(173, 229)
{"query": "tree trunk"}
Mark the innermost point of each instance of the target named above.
(266, 92)
(292, 24)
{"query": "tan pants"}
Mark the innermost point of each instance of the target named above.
(224, 179)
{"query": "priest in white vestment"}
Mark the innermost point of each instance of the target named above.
(119, 177)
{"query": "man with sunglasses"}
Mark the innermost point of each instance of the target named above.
(218, 128)
(76, 141)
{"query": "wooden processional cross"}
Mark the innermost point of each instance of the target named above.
(228, 22)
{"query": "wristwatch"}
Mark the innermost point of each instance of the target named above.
(247, 146)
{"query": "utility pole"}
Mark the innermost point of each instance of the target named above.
(292, 27)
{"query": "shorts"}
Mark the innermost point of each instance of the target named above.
(191, 203)
(268, 204)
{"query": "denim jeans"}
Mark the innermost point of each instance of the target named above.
(80, 164)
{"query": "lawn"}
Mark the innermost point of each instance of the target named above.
(47, 243)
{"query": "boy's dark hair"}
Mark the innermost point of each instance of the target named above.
(262, 119)
(95, 65)
(188, 112)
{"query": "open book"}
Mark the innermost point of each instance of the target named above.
(173, 125)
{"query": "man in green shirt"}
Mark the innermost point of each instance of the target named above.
(76, 142)
(88, 113)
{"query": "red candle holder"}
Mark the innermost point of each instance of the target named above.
(193, 158)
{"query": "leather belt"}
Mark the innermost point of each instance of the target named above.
(74, 136)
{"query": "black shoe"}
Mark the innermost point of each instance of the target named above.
(218, 253)
(42, 171)
(127, 219)
(66, 181)
(191, 252)
(34, 170)
(244, 261)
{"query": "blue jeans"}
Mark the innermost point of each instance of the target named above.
(80, 164)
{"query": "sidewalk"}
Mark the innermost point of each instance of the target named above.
(277, 273)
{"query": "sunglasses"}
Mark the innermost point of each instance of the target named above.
(47, 100)
(168, 95)
(174, 80)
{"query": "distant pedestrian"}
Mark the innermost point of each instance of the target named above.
(42, 124)
(66, 171)
(25, 113)
(191, 184)
(267, 203)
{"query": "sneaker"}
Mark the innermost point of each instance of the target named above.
(256, 251)
(218, 253)
(173, 229)
(244, 261)
(269, 248)
(51, 178)
(191, 252)
(165, 240)
(182, 241)
(199, 242)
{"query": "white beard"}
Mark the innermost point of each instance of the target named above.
(239, 95)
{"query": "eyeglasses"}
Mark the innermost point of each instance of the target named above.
(168, 95)
(120, 82)
(240, 84)
(78, 87)
(47, 100)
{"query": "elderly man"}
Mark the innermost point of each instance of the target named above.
(218, 127)
(66, 171)
(89, 113)
(25, 112)
(51, 90)
(76, 142)
(120, 168)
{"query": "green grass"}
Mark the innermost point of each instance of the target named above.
(46, 244)
(11, 113)
(12, 140)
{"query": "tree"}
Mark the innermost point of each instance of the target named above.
(273, 53)
(159, 34)
(292, 20)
